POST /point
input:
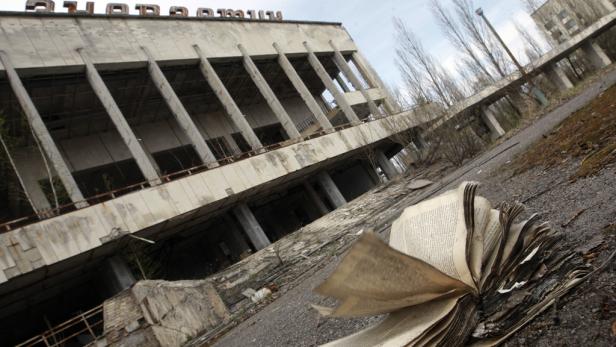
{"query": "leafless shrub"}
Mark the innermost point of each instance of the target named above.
(455, 144)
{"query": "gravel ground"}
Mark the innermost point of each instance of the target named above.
(583, 318)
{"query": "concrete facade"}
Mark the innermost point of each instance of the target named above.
(210, 138)
(563, 19)
(206, 136)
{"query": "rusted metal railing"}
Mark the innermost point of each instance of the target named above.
(96, 199)
(88, 323)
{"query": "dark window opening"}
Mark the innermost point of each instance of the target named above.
(286, 212)
(177, 159)
(219, 147)
(58, 303)
(204, 249)
(570, 24)
(241, 142)
(353, 180)
(268, 136)
(13, 201)
(107, 178)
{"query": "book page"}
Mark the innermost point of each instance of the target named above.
(512, 239)
(401, 327)
(482, 210)
(492, 237)
(492, 234)
(435, 232)
(374, 278)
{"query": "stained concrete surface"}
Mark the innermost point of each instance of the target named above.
(580, 319)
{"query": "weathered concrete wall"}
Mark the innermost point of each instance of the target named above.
(46, 41)
(161, 208)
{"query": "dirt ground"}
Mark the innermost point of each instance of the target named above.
(582, 206)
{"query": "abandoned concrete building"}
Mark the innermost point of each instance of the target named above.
(562, 19)
(210, 137)
(171, 148)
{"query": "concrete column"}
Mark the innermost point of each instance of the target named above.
(179, 112)
(490, 120)
(595, 54)
(301, 88)
(370, 170)
(374, 81)
(386, 165)
(316, 199)
(331, 87)
(268, 94)
(147, 165)
(117, 275)
(238, 243)
(38, 198)
(331, 191)
(355, 82)
(42, 133)
(227, 101)
(251, 226)
(342, 83)
(557, 76)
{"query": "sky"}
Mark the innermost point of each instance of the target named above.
(368, 21)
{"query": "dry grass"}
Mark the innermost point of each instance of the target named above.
(590, 134)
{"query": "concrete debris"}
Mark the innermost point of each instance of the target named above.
(261, 295)
(160, 313)
(419, 183)
(249, 292)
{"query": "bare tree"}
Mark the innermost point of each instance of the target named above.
(480, 37)
(412, 79)
(474, 79)
(532, 47)
(458, 37)
(418, 67)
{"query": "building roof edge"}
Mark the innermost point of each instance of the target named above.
(137, 17)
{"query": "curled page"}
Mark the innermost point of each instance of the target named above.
(374, 278)
(402, 327)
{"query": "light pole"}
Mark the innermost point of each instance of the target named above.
(538, 93)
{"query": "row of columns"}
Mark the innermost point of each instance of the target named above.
(116, 272)
(144, 160)
(41, 133)
(255, 232)
(118, 276)
(557, 76)
(257, 235)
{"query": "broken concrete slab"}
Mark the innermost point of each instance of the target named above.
(161, 313)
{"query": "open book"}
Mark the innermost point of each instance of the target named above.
(456, 271)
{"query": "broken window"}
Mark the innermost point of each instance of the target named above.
(570, 25)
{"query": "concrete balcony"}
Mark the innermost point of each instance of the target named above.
(32, 253)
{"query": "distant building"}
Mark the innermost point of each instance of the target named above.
(561, 19)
